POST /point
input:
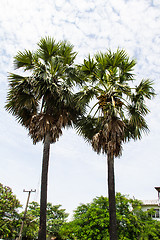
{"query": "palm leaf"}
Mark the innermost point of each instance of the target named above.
(24, 60)
(47, 48)
(145, 89)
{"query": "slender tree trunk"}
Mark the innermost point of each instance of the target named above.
(44, 182)
(112, 200)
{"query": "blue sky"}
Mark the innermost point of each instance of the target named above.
(76, 173)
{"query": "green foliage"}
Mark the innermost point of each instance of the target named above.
(56, 217)
(31, 223)
(91, 221)
(9, 217)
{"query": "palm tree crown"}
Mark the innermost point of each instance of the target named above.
(120, 107)
(43, 101)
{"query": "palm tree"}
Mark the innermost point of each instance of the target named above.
(119, 111)
(42, 100)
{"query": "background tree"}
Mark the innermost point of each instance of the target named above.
(42, 101)
(31, 223)
(118, 113)
(9, 216)
(56, 217)
(91, 221)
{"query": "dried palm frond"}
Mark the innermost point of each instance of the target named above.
(109, 139)
(40, 125)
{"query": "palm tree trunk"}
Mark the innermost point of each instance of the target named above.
(112, 200)
(44, 182)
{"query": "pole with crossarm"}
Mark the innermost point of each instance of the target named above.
(29, 193)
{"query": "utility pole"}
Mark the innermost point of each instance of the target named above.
(29, 193)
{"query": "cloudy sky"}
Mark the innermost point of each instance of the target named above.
(76, 173)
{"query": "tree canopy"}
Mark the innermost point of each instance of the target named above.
(56, 217)
(118, 98)
(9, 216)
(42, 99)
(91, 221)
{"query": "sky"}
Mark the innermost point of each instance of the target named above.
(76, 173)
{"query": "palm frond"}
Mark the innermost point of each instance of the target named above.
(41, 124)
(89, 67)
(145, 89)
(24, 60)
(74, 77)
(21, 100)
(136, 123)
(67, 53)
(47, 48)
(87, 127)
(85, 95)
(109, 139)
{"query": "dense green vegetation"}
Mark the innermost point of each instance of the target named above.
(56, 217)
(90, 221)
(11, 217)
(9, 205)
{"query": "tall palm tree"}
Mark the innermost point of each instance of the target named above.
(42, 100)
(119, 111)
